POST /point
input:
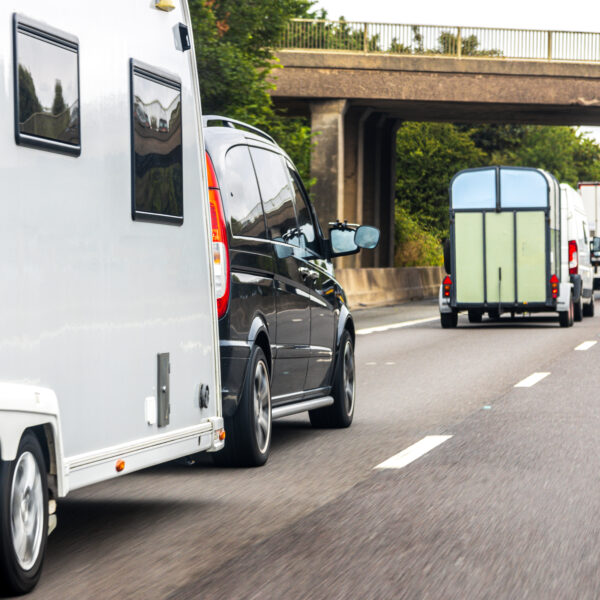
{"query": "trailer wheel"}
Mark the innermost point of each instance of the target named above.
(588, 309)
(578, 310)
(494, 314)
(449, 320)
(23, 517)
(475, 316)
(248, 440)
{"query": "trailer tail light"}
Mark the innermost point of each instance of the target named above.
(219, 240)
(573, 258)
(554, 286)
(447, 283)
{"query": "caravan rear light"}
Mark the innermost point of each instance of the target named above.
(573, 258)
(554, 286)
(447, 283)
(219, 240)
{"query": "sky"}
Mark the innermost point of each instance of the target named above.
(575, 15)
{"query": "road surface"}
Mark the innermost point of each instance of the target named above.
(506, 505)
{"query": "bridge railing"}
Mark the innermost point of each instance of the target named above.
(460, 42)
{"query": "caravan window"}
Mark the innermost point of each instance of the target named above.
(474, 190)
(523, 188)
(157, 160)
(46, 78)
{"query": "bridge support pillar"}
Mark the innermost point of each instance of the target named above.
(354, 163)
(327, 159)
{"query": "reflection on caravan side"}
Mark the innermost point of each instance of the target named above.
(48, 90)
(158, 184)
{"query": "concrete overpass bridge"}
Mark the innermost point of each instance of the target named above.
(358, 86)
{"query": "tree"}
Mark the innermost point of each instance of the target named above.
(234, 41)
(428, 156)
(58, 104)
(29, 103)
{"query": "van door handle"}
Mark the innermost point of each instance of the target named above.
(308, 273)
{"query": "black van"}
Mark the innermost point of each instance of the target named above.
(286, 334)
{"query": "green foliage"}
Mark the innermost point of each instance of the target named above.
(568, 155)
(428, 156)
(233, 48)
(29, 103)
(58, 104)
(416, 243)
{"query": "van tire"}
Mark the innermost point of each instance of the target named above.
(588, 309)
(15, 577)
(244, 446)
(578, 310)
(475, 316)
(341, 413)
(449, 320)
(565, 318)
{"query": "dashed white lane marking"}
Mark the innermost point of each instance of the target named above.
(586, 345)
(532, 380)
(413, 452)
(379, 328)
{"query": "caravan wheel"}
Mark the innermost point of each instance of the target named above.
(23, 517)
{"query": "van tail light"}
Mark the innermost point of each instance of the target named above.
(220, 244)
(447, 283)
(573, 258)
(554, 286)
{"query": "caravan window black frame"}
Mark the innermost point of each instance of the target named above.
(65, 41)
(168, 80)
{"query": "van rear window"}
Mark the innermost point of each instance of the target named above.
(46, 78)
(157, 159)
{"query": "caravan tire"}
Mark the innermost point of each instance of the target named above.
(449, 320)
(23, 517)
(248, 440)
(578, 310)
(588, 309)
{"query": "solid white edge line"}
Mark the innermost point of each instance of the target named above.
(379, 328)
(413, 452)
(531, 380)
(586, 345)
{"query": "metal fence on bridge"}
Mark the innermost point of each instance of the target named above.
(435, 40)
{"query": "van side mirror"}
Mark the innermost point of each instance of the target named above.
(345, 240)
(595, 245)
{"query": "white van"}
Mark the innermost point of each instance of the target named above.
(581, 270)
(109, 356)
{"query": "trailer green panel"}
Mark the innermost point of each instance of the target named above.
(531, 257)
(500, 257)
(468, 236)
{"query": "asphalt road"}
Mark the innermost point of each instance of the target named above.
(508, 507)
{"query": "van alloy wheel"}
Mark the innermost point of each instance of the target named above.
(262, 406)
(341, 412)
(348, 377)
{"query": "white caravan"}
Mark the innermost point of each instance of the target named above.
(108, 333)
